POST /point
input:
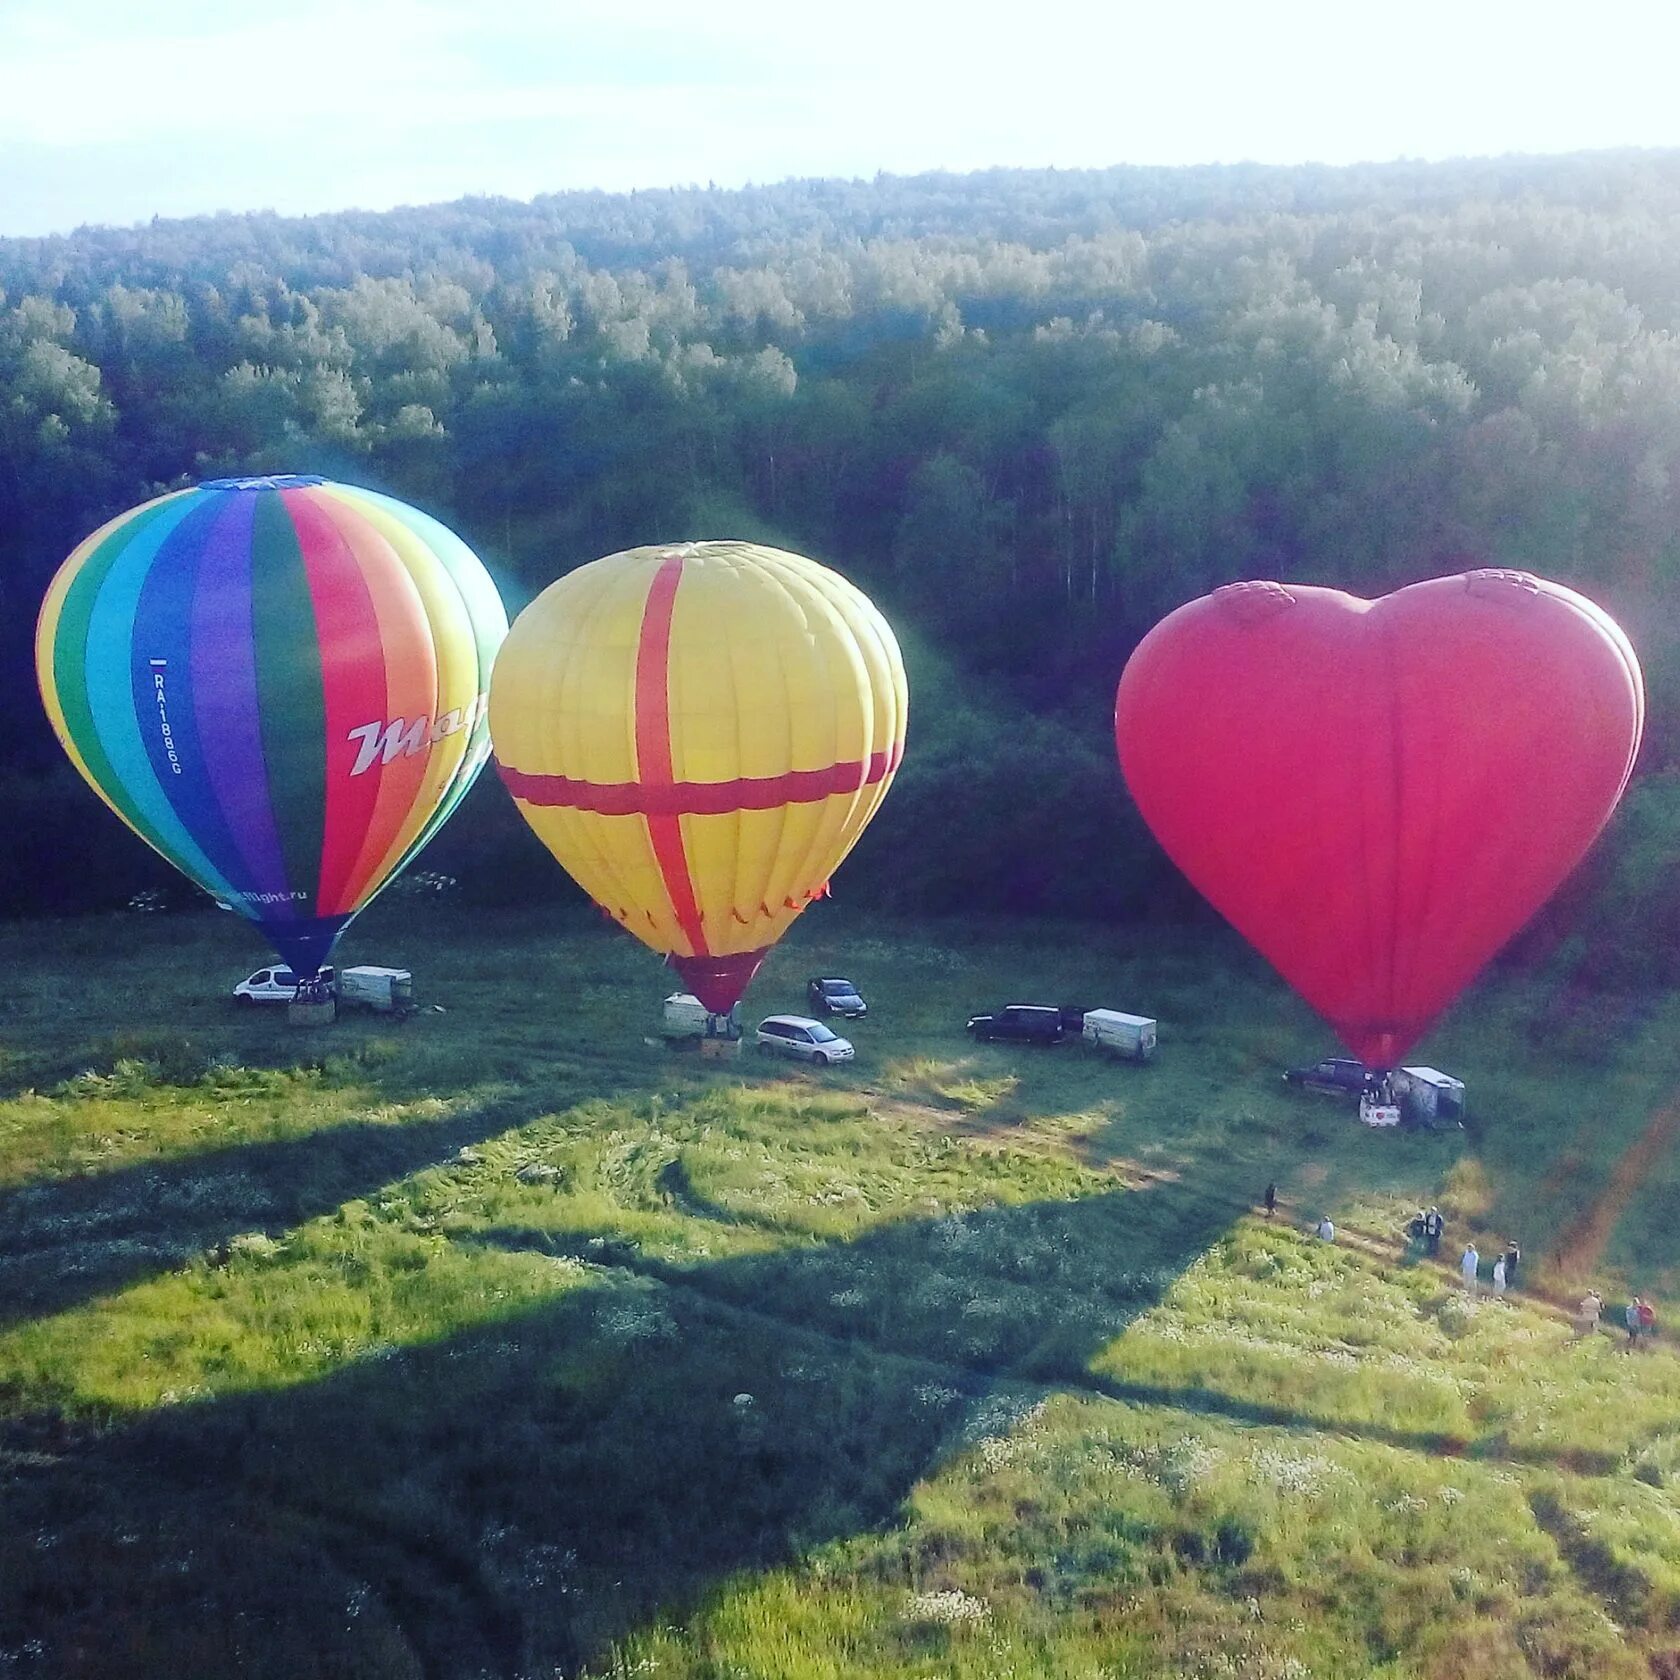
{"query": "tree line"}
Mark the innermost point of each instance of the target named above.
(1030, 411)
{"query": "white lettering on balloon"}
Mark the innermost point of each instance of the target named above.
(159, 666)
(383, 740)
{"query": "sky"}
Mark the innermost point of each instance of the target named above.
(115, 113)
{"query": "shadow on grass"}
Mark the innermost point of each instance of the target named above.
(513, 1499)
(64, 1241)
(510, 1500)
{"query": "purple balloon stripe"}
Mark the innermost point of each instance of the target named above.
(224, 672)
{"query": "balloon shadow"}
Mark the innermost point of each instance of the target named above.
(64, 1241)
(512, 1499)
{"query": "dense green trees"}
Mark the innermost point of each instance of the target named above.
(1031, 411)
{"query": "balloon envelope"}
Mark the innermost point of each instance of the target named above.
(1378, 794)
(278, 683)
(700, 734)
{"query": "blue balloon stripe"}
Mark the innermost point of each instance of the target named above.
(111, 698)
(165, 693)
(227, 716)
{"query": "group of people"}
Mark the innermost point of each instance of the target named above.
(1504, 1268)
(1426, 1226)
(1639, 1316)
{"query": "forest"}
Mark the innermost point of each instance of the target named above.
(1029, 411)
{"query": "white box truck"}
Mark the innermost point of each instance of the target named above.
(1131, 1036)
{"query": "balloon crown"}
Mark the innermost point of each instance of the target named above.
(1497, 581)
(1254, 600)
(277, 481)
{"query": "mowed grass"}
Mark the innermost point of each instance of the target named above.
(507, 1342)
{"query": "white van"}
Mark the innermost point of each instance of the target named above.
(800, 1036)
(1131, 1036)
(271, 985)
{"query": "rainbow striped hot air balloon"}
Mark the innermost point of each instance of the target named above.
(278, 683)
(700, 734)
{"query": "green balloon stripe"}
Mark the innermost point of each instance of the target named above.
(291, 697)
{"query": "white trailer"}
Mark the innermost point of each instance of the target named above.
(388, 991)
(1429, 1097)
(685, 1020)
(1131, 1036)
(684, 1017)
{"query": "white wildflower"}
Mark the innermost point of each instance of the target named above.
(997, 1414)
(636, 1321)
(951, 1609)
(1300, 1474)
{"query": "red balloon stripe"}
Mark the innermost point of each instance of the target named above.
(702, 799)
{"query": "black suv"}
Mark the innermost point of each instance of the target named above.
(1341, 1076)
(836, 997)
(1031, 1023)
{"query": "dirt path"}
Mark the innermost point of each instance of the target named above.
(1585, 1239)
(1582, 1245)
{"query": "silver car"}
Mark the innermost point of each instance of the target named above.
(797, 1035)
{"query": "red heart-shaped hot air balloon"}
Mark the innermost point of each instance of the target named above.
(1378, 794)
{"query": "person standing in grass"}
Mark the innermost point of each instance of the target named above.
(1630, 1316)
(1433, 1225)
(1499, 1275)
(1513, 1257)
(1271, 1200)
(1586, 1321)
(1647, 1320)
(1469, 1266)
(1326, 1230)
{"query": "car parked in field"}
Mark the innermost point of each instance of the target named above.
(271, 985)
(1338, 1076)
(804, 1039)
(1025, 1023)
(836, 997)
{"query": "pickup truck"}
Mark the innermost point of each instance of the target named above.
(1029, 1023)
(1340, 1076)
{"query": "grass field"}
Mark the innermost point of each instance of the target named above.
(505, 1342)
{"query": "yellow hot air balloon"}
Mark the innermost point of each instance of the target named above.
(699, 734)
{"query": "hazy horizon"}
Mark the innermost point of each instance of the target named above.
(107, 118)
